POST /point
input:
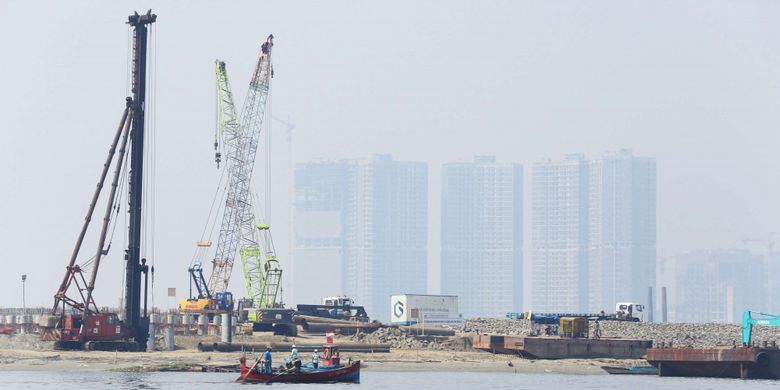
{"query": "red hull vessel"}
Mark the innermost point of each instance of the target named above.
(328, 374)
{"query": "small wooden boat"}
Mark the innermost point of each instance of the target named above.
(636, 370)
(330, 371)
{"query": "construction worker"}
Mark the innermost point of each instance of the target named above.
(294, 354)
(315, 359)
(596, 329)
(267, 361)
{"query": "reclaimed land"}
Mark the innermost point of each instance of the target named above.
(408, 352)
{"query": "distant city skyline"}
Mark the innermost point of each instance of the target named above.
(694, 85)
(594, 231)
(715, 285)
(361, 229)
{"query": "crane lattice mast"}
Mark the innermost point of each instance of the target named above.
(238, 229)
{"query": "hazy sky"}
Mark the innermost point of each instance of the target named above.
(695, 84)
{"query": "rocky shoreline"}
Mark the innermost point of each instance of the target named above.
(678, 334)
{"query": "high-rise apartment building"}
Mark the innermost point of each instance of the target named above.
(593, 232)
(715, 285)
(622, 232)
(559, 233)
(482, 236)
(361, 230)
(319, 236)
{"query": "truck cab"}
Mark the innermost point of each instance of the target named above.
(337, 301)
(627, 310)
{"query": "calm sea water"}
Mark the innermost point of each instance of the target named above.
(371, 380)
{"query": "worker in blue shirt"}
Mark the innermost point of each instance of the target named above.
(267, 361)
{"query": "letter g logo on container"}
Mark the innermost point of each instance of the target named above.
(398, 309)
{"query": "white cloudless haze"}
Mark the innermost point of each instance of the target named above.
(695, 84)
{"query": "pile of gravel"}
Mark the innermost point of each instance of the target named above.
(31, 342)
(399, 338)
(681, 335)
(687, 335)
(493, 326)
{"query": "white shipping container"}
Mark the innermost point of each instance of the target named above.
(410, 309)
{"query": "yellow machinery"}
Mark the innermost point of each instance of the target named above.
(574, 327)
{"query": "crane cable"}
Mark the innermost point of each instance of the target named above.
(199, 253)
(152, 158)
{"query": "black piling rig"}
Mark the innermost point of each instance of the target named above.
(138, 323)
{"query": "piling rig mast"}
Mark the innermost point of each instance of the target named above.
(84, 326)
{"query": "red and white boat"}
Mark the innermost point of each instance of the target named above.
(330, 370)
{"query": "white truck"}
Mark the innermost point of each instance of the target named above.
(629, 310)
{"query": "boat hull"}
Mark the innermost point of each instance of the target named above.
(630, 371)
(739, 362)
(344, 374)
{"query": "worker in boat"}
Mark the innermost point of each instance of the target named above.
(267, 361)
(295, 361)
(267, 45)
(596, 329)
(294, 353)
(315, 359)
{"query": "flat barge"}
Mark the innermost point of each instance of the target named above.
(562, 348)
(723, 362)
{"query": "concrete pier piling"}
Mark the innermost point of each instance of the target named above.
(215, 323)
(203, 325)
(227, 328)
(154, 321)
(186, 321)
(170, 331)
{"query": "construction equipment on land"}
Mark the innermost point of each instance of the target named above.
(339, 308)
(209, 301)
(81, 325)
(240, 231)
(624, 311)
(749, 361)
(748, 321)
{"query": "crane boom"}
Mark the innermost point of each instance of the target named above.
(232, 141)
(238, 225)
(748, 322)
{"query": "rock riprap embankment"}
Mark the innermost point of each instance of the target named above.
(400, 338)
(689, 335)
(493, 326)
(678, 334)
